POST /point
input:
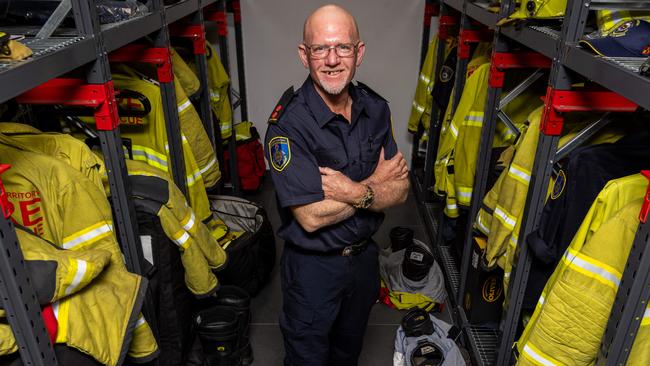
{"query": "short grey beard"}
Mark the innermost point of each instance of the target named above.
(331, 90)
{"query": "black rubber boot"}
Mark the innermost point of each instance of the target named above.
(238, 299)
(400, 238)
(218, 330)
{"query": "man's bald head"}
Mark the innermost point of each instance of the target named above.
(329, 16)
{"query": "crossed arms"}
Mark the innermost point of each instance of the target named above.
(389, 182)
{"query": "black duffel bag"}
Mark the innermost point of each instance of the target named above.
(251, 256)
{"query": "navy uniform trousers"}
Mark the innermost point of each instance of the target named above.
(326, 304)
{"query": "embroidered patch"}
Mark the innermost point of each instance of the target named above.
(446, 73)
(558, 187)
(280, 152)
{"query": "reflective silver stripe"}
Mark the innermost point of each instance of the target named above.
(452, 206)
(481, 225)
(87, 236)
(183, 239)
(424, 78)
(190, 224)
(536, 356)
(573, 259)
(186, 104)
(191, 179)
(517, 171)
(82, 267)
(141, 321)
(418, 107)
(453, 128)
(149, 156)
(210, 164)
(499, 212)
(464, 194)
(55, 309)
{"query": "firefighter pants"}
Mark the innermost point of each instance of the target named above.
(326, 305)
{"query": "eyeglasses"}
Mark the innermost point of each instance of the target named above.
(320, 51)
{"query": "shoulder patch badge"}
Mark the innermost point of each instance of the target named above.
(281, 106)
(280, 152)
(558, 187)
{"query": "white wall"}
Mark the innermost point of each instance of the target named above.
(391, 29)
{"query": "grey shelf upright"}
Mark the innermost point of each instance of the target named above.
(225, 60)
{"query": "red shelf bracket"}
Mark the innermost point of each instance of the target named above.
(195, 32)
(236, 11)
(158, 56)
(645, 208)
(446, 23)
(430, 11)
(7, 207)
(515, 60)
(467, 37)
(75, 92)
(558, 102)
(221, 18)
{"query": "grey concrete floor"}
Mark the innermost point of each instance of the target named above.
(266, 337)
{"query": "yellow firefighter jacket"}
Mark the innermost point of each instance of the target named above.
(469, 135)
(55, 274)
(197, 138)
(59, 204)
(200, 251)
(422, 100)
(579, 295)
(218, 82)
(444, 164)
(506, 200)
(149, 138)
(183, 75)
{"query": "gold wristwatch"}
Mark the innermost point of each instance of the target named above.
(367, 198)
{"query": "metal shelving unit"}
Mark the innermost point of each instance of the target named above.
(52, 57)
(119, 34)
(570, 63)
(180, 10)
(86, 48)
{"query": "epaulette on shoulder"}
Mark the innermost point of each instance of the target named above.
(282, 105)
(369, 91)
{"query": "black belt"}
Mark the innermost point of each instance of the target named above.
(350, 250)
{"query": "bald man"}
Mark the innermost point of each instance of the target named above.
(336, 167)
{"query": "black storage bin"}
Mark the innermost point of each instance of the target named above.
(251, 257)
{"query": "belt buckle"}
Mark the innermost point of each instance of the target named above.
(347, 251)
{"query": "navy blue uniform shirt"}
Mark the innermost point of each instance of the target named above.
(308, 135)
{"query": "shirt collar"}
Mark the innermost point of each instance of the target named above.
(321, 111)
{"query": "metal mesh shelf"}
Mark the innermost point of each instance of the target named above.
(456, 4)
(630, 63)
(450, 267)
(485, 341)
(619, 74)
(479, 11)
(553, 33)
(180, 10)
(41, 48)
(121, 33)
(540, 39)
(52, 57)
